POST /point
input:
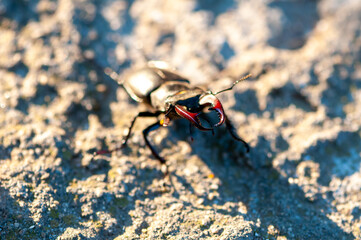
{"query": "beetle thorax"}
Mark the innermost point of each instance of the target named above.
(171, 92)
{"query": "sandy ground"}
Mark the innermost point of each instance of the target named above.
(300, 112)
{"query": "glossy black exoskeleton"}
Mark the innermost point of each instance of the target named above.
(171, 96)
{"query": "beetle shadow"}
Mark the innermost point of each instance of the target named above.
(267, 195)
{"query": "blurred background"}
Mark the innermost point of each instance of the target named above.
(300, 112)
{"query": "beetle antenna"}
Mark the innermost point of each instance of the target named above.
(234, 84)
(113, 75)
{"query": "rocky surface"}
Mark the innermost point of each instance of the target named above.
(300, 112)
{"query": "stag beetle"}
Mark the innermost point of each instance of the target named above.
(172, 96)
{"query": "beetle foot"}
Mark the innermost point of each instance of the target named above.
(165, 170)
(165, 121)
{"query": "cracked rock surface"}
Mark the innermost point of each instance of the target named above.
(300, 112)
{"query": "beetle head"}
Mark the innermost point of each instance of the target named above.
(190, 103)
(191, 108)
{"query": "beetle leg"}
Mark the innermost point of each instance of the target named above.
(141, 114)
(231, 130)
(152, 127)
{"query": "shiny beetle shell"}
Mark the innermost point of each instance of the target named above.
(170, 96)
(139, 84)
